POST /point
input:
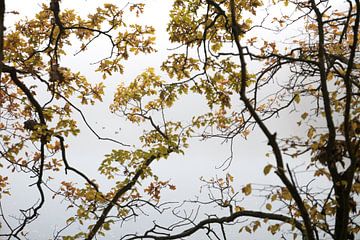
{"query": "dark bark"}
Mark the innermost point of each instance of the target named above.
(2, 29)
(228, 219)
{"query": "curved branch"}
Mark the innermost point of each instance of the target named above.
(13, 74)
(120, 192)
(43, 140)
(88, 125)
(2, 28)
(270, 136)
(68, 167)
(222, 220)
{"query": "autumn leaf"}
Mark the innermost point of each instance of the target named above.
(304, 115)
(268, 206)
(106, 226)
(247, 189)
(297, 98)
(285, 194)
(238, 209)
(267, 169)
(311, 132)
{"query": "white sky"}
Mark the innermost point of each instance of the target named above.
(86, 152)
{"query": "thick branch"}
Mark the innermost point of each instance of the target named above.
(120, 193)
(13, 74)
(271, 137)
(68, 167)
(324, 87)
(228, 219)
(2, 28)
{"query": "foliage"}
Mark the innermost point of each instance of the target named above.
(246, 80)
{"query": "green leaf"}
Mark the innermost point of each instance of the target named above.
(106, 226)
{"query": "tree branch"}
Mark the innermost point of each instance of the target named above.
(222, 220)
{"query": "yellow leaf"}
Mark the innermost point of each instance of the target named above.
(238, 209)
(90, 195)
(341, 72)
(267, 169)
(311, 132)
(344, 183)
(256, 225)
(273, 197)
(330, 76)
(356, 187)
(268, 206)
(286, 194)
(106, 226)
(70, 220)
(274, 228)
(304, 115)
(297, 98)
(247, 189)
(229, 177)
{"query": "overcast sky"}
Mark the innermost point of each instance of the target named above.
(85, 151)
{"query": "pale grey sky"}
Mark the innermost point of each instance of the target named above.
(85, 151)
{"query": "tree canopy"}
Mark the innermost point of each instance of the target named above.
(254, 63)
